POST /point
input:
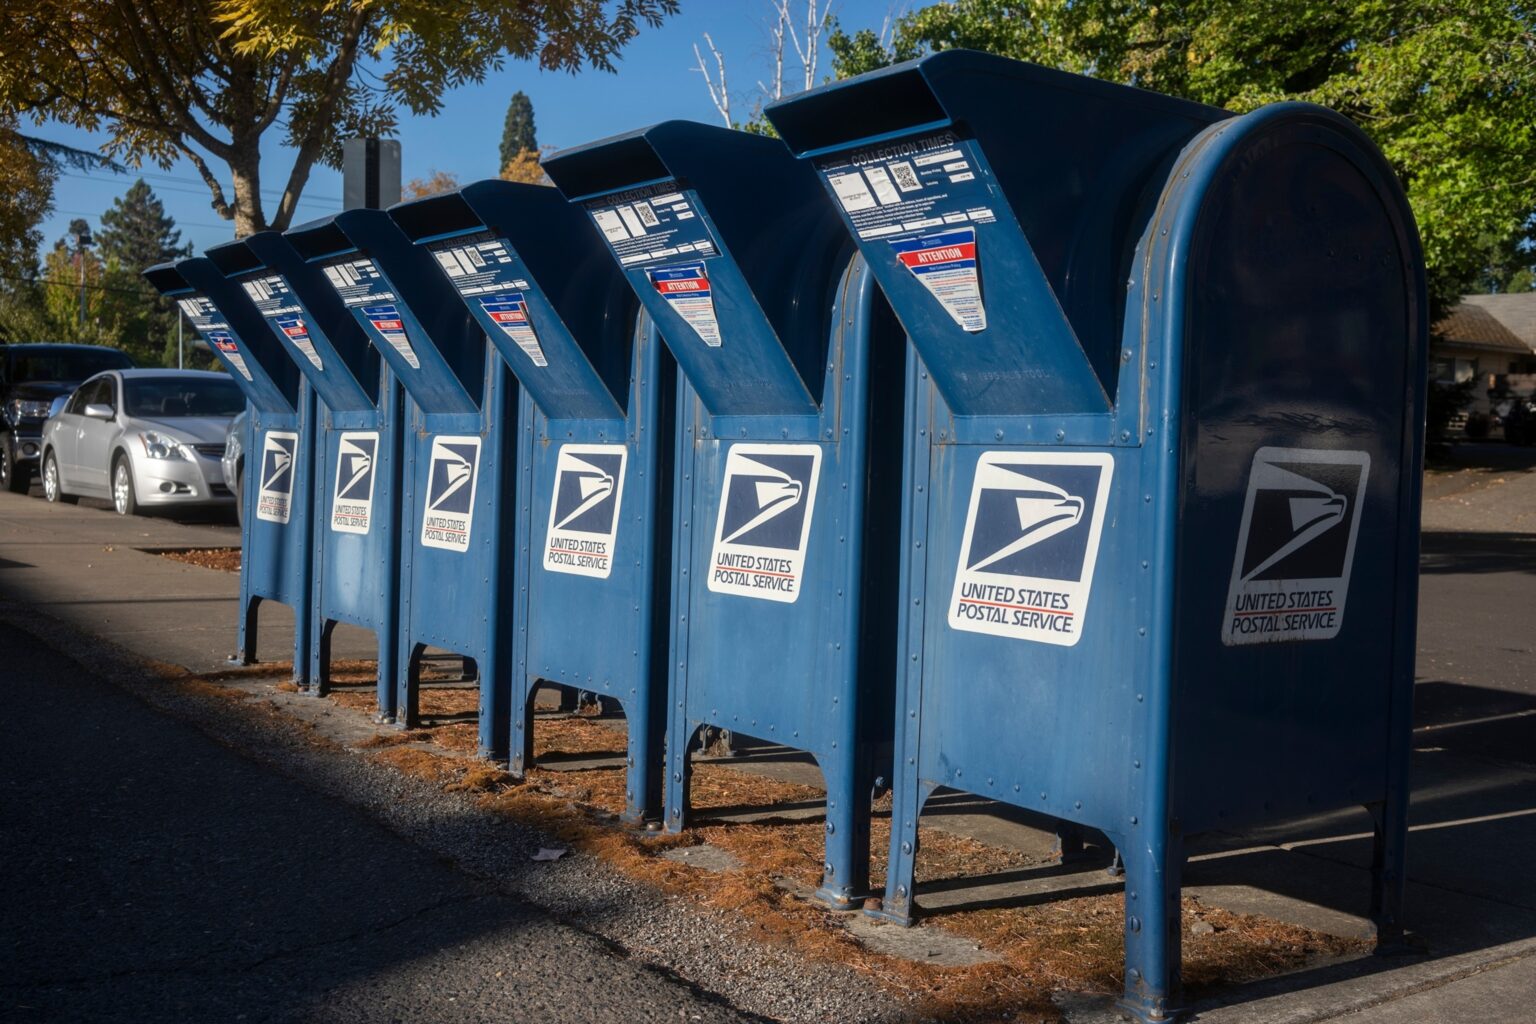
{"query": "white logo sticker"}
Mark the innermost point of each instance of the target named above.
(450, 503)
(584, 512)
(274, 499)
(352, 502)
(1296, 545)
(1031, 540)
(766, 503)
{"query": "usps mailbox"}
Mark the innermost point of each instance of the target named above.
(1160, 518)
(595, 440)
(787, 467)
(455, 480)
(356, 563)
(275, 537)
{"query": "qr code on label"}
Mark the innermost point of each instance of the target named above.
(906, 177)
(646, 214)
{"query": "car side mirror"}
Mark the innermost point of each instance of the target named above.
(57, 406)
(98, 410)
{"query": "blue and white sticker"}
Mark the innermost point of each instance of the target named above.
(767, 500)
(229, 350)
(584, 510)
(945, 263)
(274, 300)
(357, 454)
(297, 333)
(448, 510)
(685, 288)
(205, 316)
(1030, 544)
(1296, 545)
(387, 323)
(509, 311)
(274, 494)
(931, 199)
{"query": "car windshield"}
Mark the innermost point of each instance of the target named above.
(162, 397)
(65, 365)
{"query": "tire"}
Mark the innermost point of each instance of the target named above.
(15, 479)
(53, 484)
(124, 501)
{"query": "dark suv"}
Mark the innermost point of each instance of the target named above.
(31, 377)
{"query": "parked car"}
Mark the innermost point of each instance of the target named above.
(234, 461)
(142, 438)
(31, 377)
(1520, 422)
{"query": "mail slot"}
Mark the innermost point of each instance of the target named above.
(276, 485)
(595, 438)
(787, 465)
(356, 576)
(456, 478)
(1160, 515)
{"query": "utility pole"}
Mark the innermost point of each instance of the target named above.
(180, 349)
(82, 235)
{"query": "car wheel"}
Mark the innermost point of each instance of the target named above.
(15, 479)
(124, 501)
(53, 484)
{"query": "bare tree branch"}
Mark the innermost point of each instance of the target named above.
(717, 94)
(220, 204)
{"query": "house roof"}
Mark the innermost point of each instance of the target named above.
(1472, 325)
(1516, 311)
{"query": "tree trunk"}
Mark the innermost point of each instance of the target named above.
(245, 166)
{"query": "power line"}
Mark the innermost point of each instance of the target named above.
(267, 194)
(73, 285)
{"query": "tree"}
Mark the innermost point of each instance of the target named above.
(1446, 88)
(433, 184)
(517, 133)
(525, 167)
(26, 197)
(69, 276)
(136, 233)
(207, 79)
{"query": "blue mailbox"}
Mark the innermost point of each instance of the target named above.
(1161, 505)
(356, 574)
(788, 451)
(455, 478)
(594, 454)
(275, 536)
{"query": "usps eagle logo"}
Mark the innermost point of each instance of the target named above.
(584, 509)
(274, 495)
(449, 509)
(1296, 545)
(767, 501)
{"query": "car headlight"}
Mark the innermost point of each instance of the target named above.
(162, 446)
(18, 409)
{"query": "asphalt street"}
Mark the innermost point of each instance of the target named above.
(153, 875)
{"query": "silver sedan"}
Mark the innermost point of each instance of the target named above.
(142, 438)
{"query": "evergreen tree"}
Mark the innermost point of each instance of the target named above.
(136, 233)
(517, 134)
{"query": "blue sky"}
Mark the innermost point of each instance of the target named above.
(654, 83)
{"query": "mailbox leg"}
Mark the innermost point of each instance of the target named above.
(384, 681)
(1153, 865)
(845, 872)
(495, 698)
(407, 685)
(1389, 872)
(907, 798)
(643, 788)
(320, 658)
(245, 652)
(679, 771)
(520, 757)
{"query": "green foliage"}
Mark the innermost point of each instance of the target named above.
(517, 132)
(207, 79)
(1446, 88)
(136, 233)
(26, 197)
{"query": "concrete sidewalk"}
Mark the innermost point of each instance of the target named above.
(93, 569)
(1472, 900)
